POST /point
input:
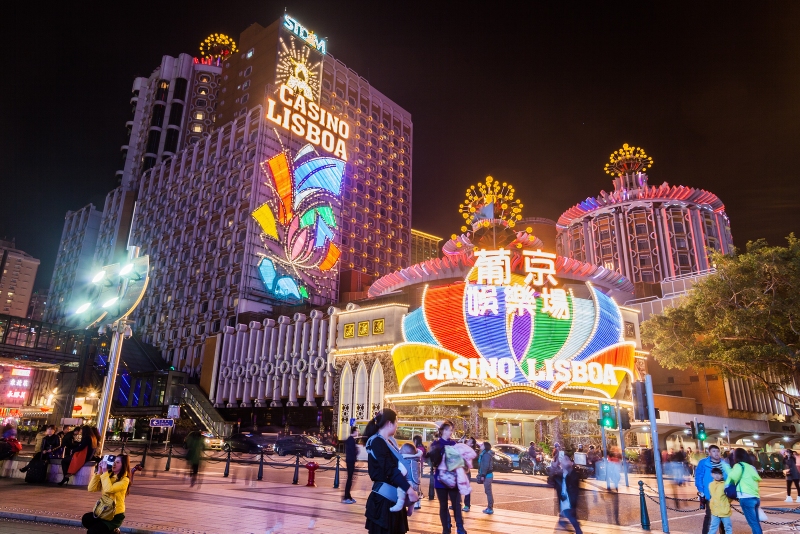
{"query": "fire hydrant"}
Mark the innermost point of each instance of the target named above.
(311, 466)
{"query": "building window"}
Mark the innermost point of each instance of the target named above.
(197, 128)
(245, 98)
(202, 90)
(245, 85)
(201, 103)
(250, 53)
(199, 115)
(205, 78)
(670, 380)
(694, 379)
(675, 393)
(248, 71)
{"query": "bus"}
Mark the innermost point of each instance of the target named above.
(406, 430)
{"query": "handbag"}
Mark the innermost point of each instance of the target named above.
(762, 516)
(105, 508)
(479, 479)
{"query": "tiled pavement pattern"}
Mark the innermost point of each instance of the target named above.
(165, 503)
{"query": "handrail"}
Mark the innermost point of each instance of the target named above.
(187, 394)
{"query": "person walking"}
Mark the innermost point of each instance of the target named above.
(382, 462)
(745, 476)
(703, 479)
(485, 474)
(565, 480)
(350, 456)
(194, 454)
(792, 474)
(114, 481)
(444, 492)
(422, 459)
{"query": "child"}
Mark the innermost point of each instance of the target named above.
(719, 504)
(411, 469)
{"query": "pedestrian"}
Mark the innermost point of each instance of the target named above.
(68, 443)
(48, 446)
(792, 474)
(422, 459)
(194, 454)
(703, 479)
(719, 504)
(591, 460)
(114, 481)
(745, 476)
(84, 444)
(382, 461)
(470, 442)
(350, 456)
(565, 480)
(485, 476)
(443, 492)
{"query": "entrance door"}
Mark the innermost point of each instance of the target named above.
(509, 432)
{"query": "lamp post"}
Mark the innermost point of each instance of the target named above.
(112, 295)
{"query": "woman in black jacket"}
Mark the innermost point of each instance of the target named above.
(565, 480)
(382, 462)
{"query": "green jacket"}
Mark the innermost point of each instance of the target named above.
(745, 477)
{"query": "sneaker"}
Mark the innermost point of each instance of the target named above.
(465, 509)
(798, 499)
(348, 501)
(789, 498)
(488, 511)
(417, 505)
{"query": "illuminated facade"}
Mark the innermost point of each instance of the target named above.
(505, 337)
(646, 233)
(376, 195)
(423, 246)
(75, 260)
(17, 274)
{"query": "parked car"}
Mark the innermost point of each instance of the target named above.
(308, 446)
(252, 442)
(513, 452)
(502, 462)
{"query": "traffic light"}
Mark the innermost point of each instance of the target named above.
(690, 424)
(640, 407)
(625, 419)
(608, 416)
(701, 431)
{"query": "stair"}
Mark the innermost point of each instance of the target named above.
(190, 396)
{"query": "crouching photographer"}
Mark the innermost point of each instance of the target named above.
(113, 478)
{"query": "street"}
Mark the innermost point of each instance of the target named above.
(517, 497)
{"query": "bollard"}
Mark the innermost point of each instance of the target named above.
(144, 456)
(169, 458)
(123, 446)
(643, 508)
(261, 466)
(336, 474)
(430, 488)
(311, 466)
(296, 478)
(227, 464)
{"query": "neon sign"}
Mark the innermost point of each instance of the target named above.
(309, 121)
(303, 33)
(15, 390)
(298, 224)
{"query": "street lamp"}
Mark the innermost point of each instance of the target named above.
(112, 295)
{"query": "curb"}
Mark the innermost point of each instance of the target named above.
(70, 522)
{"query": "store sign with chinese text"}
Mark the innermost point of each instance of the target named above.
(512, 322)
(15, 386)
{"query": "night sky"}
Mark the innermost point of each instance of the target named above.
(537, 96)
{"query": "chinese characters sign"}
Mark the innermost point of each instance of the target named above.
(15, 386)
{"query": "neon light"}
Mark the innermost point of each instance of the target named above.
(306, 35)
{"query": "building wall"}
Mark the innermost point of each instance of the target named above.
(376, 211)
(646, 234)
(423, 246)
(74, 261)
(37, 305)
(17, 275)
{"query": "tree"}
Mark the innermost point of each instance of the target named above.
(744, 320)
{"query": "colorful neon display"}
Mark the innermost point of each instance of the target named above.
(310, 38)
(297, 70)
(298, 225)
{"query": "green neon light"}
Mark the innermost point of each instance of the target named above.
(549, 335)
(310, 217)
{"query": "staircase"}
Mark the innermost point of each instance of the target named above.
(200, 409)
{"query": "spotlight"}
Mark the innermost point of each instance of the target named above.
(126, 269)
(83, 307)
(99, 277)
(110, 301)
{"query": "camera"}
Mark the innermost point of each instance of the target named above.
(108, 460)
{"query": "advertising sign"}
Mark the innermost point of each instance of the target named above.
(503, 327)
(15, 385)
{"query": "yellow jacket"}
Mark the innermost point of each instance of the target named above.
(117, 489)
(720, 505)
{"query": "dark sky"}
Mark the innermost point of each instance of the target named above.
(538, 96)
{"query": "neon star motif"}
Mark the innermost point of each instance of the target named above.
(554, 303)
(540, 267)
(482, 300)
(520, 299)
(494, 267)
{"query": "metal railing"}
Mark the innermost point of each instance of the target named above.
(189, 395)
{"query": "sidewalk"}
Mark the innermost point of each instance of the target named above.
(165, 503)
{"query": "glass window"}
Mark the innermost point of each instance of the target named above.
(248, 71)
(199, 115)
(205, 78)
(197, 128)
(250, 53)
